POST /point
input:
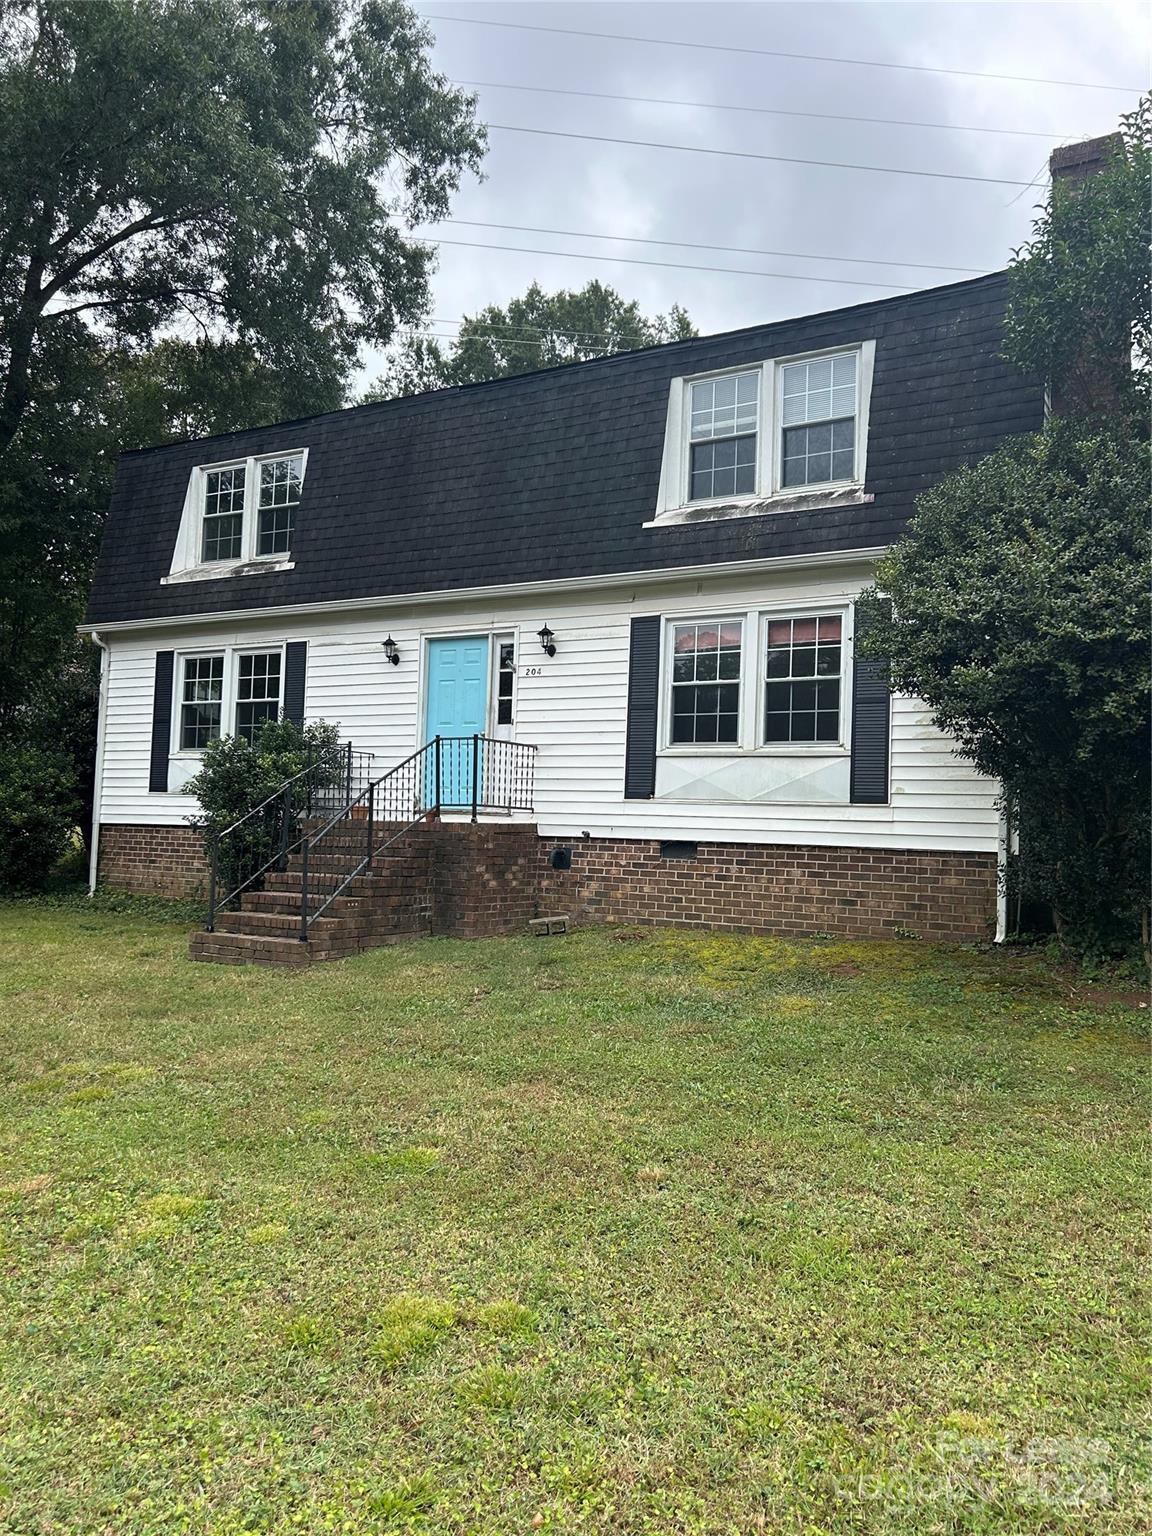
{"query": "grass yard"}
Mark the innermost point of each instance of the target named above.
(626, 1232)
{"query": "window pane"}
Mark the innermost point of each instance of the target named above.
(223, 537)
(705, 682)
(802, 679)
(725, 467)
(724, 407)
(808, 455)
(820, 391)
(275, 529)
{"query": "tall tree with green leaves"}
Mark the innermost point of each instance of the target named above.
(237, 169)
(1016, 605)
(537, 330)
(202, 206)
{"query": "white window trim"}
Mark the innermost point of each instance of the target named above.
(228, 700)
(187, 563)
(750, 742)
(770, 496)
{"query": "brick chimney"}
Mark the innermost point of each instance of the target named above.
(1074, 163)
(1090, 384)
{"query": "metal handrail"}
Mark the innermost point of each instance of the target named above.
(338, 763)
(519, 783)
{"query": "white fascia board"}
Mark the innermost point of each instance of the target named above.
(510, 589)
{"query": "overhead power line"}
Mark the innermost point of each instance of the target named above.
(680, 266)
(728, 106)
(747, 154)
(779, 53)
(534, 332)
(737, 250)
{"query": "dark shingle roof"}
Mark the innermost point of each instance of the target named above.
(552, 475)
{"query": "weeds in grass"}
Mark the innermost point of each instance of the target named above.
(410, 1325)
(882, 1274)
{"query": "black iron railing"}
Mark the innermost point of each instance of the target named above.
(451, 773)
(268, 835)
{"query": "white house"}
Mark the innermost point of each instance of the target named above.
(691, 522)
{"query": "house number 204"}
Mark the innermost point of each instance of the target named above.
(532, 671)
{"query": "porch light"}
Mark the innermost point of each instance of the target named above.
(392, 651)
(547, 641)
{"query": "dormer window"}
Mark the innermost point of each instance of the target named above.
(249, 509)
(239, 516)
(786, 434)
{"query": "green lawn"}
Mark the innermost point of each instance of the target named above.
(624, 1232)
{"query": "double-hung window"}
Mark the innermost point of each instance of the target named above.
(201, 701)
(803, 670)
(706, 681)
(818, 416)
(279, 496)
(227, 693)
(257, 691)
(780, 435)
(248, 509)
(723, 433)
(224, 496)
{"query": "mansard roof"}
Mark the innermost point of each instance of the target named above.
(552, 475)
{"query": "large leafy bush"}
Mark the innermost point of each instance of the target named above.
(39, 805)
(1019, 611)
(236, 778)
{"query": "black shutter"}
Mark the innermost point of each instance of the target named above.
(871, 714)
(161, 723)
(643, 694)
(295, 673)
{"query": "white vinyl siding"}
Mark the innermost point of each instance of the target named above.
(573, 706)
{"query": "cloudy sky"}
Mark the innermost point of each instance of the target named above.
(789, 218)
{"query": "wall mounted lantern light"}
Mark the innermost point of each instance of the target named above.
(392, 651)
(547, 641)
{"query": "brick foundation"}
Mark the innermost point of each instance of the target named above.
(158, 861)
(493, 877)
(861, 893)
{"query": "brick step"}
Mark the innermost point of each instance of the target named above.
(273, 949)
(247, 949)
(275, 923)
(352, 901)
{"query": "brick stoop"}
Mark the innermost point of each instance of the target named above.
(390, 902)
(457, 879)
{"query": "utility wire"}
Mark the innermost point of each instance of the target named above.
(727, 106)
(739, 250)
(681, 266)
(747, 154)
(779, 53)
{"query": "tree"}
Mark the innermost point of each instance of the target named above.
(1016, 604)
(539, 330)
(240, 169)
(200, 221)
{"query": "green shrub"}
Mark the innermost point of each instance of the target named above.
(236, 777)
(39, 806)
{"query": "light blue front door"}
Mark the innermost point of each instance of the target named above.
(457, 707)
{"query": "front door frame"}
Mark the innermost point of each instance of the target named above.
(494, 633)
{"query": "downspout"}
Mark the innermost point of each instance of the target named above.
(98, 781)
(1007, 844)
(1002, 876)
